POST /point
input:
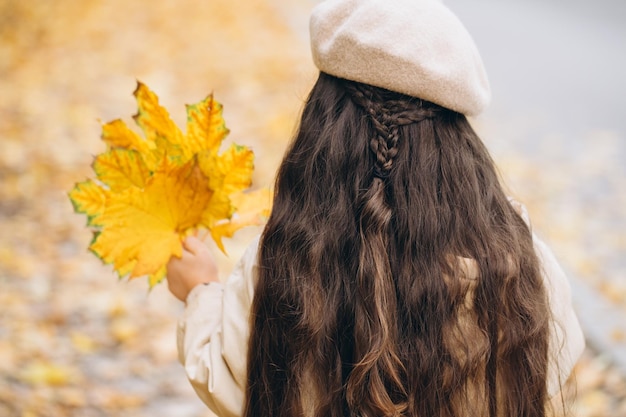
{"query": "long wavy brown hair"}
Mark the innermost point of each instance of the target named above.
(395, 277)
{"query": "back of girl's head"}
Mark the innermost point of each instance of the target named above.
(395, 278)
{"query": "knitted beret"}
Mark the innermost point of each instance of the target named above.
(415, 47)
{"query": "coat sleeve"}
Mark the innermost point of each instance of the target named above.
(567, 341)
(566, 337)
(213, 337)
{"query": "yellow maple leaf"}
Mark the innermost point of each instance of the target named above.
(152, 192)
(230, 172)
(89, 198)
(120, 169)
(205, 127)
(146, 225)
(117, 135)
(155, 121)
(251, 209)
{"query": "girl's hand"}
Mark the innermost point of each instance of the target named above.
(196, 267)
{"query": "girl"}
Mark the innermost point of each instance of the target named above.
(394, 276)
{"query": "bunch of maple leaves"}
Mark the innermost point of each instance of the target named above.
(153, 192)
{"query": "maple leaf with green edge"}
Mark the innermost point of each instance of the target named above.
(151, 192)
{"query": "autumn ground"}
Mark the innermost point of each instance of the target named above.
(73, 340)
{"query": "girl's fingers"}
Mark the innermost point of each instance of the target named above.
(201, 234)
(193, 245)
(175, 263)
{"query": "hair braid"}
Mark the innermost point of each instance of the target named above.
(387, 111)
(377, 364)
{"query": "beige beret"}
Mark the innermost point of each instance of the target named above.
(414, 47)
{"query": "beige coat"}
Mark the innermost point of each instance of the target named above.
(213, 333)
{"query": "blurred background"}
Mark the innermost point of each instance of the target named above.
(75, 341)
